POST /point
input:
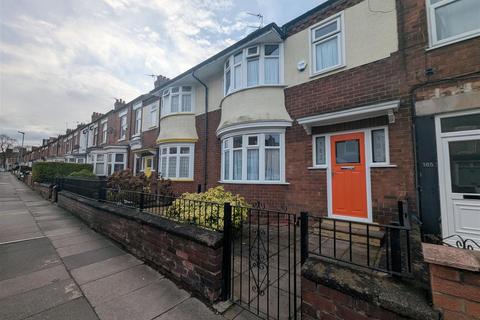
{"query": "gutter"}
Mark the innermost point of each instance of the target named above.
(205, 146)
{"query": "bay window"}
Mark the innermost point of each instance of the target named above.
(327, 45)
(253, 66)
(116, 162)
(453, 20)
(253, 158)
(177, 99)
(176, 161)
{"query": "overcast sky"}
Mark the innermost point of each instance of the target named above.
(60, 60)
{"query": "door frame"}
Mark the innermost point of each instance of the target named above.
(443, 171)
(368, 162)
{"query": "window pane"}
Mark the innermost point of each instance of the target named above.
(252, 72)
(237, 164)
(456, 18)
(227, 81)
(166, 104)
(272, 164)
(253, 140)
(378, 145)
(184, 167)
(271, 50)
(237, 58)
(99, 169)
(226, 165)
(164, 150)
(237, 142)
(186, 89)
(252, 164)
(347, 151)
(326, 54)
(164, 166)
(271, 71)
(465, 166)
(186, 103)
(272, 140)
(119, 157)
(237, 73)
(252, 51)
(109, 157)
(184, 150)
(329, 28)
(226, 143)
(118, 167)
(461, 123)
(320, 150)
(100, 157)
(175, 101)
(173, 150)
(175, 90)
(172, 167)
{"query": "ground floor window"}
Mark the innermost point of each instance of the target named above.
(176, 161)
(99, 164)
(253, 157)
(116, 162)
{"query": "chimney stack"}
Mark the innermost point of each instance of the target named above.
(160, 81)
(96, 116)
(119, 103)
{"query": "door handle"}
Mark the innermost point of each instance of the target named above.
(348, 168)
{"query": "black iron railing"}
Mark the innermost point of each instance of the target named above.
(461, 242)
(379, 247)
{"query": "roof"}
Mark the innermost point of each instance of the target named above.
(318, 8)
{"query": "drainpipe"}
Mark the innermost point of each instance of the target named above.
(205, 153)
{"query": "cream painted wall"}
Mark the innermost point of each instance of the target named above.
(146, 116)
(369, 36)
(215, 94)
(254, 104)
(177, 126)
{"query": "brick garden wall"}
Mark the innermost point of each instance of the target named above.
(43, 189)
(189, 255)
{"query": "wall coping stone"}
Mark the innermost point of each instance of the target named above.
(451, 257)
(377, 288)
(197, 234)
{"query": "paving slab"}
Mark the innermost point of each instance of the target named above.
(32, 280)
(119, 284)
(190, 309)
(35, 301)
(78, 309)
(68, 241)
(83, 247)
(145, 303)
(89, 257)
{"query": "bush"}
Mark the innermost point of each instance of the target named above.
(207, 208)
(84, 173)
(125, 180)
(48, 171)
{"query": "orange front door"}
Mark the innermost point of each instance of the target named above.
(349, 187)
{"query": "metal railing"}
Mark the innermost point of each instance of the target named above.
(379, 247)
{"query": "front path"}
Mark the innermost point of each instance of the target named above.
(52, 266)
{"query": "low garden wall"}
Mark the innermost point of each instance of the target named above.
(334, 290)
(190, 255)
(43, 189)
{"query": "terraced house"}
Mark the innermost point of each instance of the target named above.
(343, 111)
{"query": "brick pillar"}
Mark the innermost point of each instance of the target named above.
(455, 281)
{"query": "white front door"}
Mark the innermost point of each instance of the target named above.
(458, 142)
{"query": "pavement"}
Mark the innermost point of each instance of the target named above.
(52, 266)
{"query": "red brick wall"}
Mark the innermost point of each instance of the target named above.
(456, 292)
(194, 264)
(320, 302)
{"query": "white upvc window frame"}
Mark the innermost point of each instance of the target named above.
(167, 156)
(138, 115)
(181, 94)
(123, 125)
(432, 27)
(368, 148)
(103, 163)
(339, 34)
(110, 162)
(227, 146)
(104, 126)
(229, 65)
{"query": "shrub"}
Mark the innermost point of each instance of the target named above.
(207, 208)
(125, 180)
(48, 171)
(84, 173)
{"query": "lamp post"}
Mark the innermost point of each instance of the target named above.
(23, 139)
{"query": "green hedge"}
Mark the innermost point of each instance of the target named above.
(48, 171)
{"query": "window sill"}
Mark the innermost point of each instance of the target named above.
(318, 168)
(255, 182)
(180, 179)
(453, 41)
(176, 114)
(374, 165)
(123, 139)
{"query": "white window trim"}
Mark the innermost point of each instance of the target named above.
(137, 127)
(261, 68)
(113, 162)
(368, 148)
(341, 51)
(178, 155)
(166, 109)
(432, 27)
(261, 156)
(153, 107)
(121, 117)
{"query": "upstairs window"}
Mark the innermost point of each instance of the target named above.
(327, 45)
(177, 99)
(253, 66)
(138, 120)
(95, 136)
(123, 127)
(453, 20)
(104, 132)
